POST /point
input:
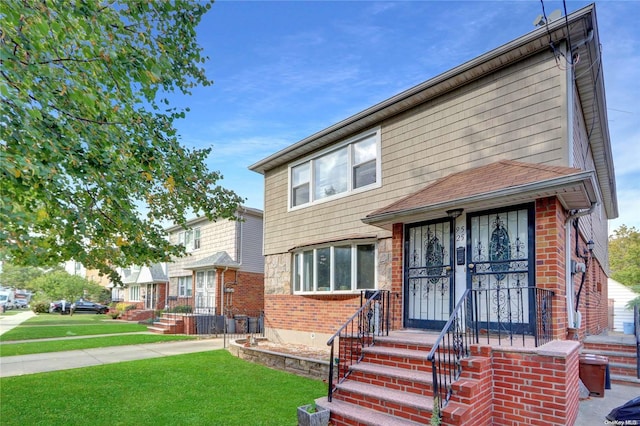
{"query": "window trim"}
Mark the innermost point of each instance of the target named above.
(194, 236)
(134, 293)
(310, 159)
(353, 244)
(187, 279)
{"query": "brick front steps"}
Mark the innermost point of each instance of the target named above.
(620, 349)
(168, 324)
(392, 385)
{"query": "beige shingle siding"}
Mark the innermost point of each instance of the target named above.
(594, 226)
(214, 237)
(516, 114)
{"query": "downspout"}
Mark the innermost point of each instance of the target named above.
(223, 292)
(576, 225)
(573, 315)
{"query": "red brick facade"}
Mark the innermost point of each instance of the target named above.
(248, 295)
(326, 314)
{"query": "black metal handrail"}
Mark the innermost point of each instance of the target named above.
(450, 348)
(636, 322)
(499, 313)
(359, 331)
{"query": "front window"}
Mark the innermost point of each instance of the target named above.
(185, 286)
(352, 165)
(134, 293)
(345, 267)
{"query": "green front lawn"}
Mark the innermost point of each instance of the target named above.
(48, 325)
(207, 388)
(38, 347)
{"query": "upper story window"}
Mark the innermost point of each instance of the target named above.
(342, 267)
(190, 239)
(353, 165)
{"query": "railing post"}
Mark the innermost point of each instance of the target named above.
(636, 326)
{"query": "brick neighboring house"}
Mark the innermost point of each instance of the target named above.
(490, 178)
(224, 271)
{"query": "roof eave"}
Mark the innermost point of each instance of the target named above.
(524, 46)
(530, 191)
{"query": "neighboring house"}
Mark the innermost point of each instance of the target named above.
(223, 272)
(75, 268)
(492, 177)
(424, 193)
(621, 295)
(94, 275)
(144, 286)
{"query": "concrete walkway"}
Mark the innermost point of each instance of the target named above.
(591, 412)
(8, 322)
(54, 361)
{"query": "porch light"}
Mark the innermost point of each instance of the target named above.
(454, 213)
(590, 246)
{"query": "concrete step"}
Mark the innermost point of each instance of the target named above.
(344, 413)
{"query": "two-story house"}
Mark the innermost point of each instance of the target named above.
(223, 271)
(494, 179)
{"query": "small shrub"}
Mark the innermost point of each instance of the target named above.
(40, 308)
(114, 314)
(181, 309)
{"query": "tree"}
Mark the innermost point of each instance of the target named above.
(19, 276)
(624, 256)
(87, 137)
(60, 285)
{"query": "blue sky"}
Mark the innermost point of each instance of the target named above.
(285, 70)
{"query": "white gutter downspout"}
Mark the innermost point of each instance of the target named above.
(573, 316)
(574, 319)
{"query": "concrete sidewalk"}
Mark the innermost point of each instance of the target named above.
(54, 361)
(8, 322)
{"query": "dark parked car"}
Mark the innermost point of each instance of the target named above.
(81, 306)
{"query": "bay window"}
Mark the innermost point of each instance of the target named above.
(344, 267)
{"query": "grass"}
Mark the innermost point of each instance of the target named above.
(39, 347)
(205, 388)
(42, 326)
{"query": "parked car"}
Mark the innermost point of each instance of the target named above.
(21, 304)
(81, 306)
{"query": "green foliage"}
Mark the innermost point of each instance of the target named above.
(624, 256)
(87, 136)
(181, 309)
(633, 302)
(40, 307)
(19, 276)
(436, 417)
(61, 285)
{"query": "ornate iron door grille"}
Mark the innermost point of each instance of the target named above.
(429, 284)
(501, 269)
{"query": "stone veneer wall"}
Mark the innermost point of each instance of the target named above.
(306, 367)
